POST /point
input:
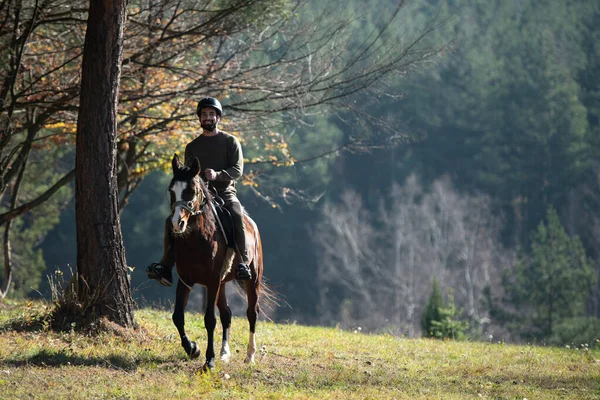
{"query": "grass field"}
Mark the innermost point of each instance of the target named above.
(295, 362)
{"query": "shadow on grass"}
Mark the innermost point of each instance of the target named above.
(63, 320)
(62, 358)
(35, 323)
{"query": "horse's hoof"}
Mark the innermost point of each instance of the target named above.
(208, 366)
(249, 360)
(194, 351)
(225, 353)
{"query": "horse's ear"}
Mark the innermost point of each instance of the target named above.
(196, 166)
(176, 163)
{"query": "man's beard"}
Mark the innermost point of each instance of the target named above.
(209, 127)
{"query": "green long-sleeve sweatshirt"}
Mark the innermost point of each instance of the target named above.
(221, 152)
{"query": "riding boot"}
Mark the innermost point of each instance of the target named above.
(162, 271)
(242, 272)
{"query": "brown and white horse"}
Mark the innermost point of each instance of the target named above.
(202, 257)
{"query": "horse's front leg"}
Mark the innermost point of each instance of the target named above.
(181, 299)
(210, 322)
(225, 315)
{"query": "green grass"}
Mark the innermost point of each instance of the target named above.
(293, 362)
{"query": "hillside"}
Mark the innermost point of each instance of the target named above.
(293, 362)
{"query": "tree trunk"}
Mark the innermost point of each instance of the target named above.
(7, 261)
(103, 286)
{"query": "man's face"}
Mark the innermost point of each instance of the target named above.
(209, 118)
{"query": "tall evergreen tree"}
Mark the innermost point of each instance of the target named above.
(432, 310)
(552, 282)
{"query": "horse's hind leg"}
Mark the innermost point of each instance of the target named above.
(225, 315)
(181, 299)
(252, 314)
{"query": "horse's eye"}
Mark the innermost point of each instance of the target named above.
(190, 204)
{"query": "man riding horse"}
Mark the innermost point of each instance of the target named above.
(220, 155)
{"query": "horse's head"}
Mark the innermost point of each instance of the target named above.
(187, 194)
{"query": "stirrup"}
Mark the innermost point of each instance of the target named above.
(242, 272)
(160, 273)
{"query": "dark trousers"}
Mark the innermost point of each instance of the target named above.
(237, 215)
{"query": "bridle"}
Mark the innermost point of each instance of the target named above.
(189, 205)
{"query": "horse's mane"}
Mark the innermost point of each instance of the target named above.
(209, 217)
(206, 218)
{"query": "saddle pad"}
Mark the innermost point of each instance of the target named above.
(224, 216)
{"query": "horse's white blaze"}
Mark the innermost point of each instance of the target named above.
(178, 189)
(225, 352)
(251, 349)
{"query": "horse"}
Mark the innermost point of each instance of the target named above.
(203, 257)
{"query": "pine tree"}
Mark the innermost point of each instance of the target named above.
(432, 310)
(448, 326)
(103, 285)
(552, 283)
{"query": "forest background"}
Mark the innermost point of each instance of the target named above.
(470, 178)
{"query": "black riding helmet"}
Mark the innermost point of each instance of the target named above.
(210, 102)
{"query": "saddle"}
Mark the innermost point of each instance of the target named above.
(224, 220)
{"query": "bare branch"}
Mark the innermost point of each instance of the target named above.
(7, 216)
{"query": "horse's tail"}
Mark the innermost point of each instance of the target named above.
(268, 298)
